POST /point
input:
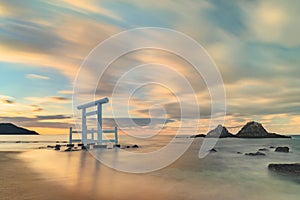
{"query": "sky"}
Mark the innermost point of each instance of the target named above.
(254, 44)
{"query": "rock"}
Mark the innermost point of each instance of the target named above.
(69, 149)
(282, 149)
(256, 130)
(239, 152)
(219, 132)
(135, 146)
(11, 129)
(255, 154)
(213, 150)
(70, 145)
(57, 147)
(288, 169)
(118, 145)
(263, 149)
(128, 147)
(198, 136)
(272, 147)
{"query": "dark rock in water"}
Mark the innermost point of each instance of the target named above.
(256, 130)
(80, 145)
(198, 136)
(118, 145)
(57, 147)
(272, 147)
(263, 149)
(128, 147)
(50, 146)
(255, 154)
(135, 146)
(219, 132)
(70, 145)
(11, 129)
(239, 152)
(69, 149)
(282, 149)
(286, 169)
(213, 150)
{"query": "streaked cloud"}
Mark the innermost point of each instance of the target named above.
(36, 76)
(50, 99)
(255, 44)
(65, 92)
(36, 108)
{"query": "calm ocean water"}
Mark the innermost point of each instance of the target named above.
(220, 175)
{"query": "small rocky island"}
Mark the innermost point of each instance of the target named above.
(11, 129)
(256, 130)
(250, 130)
(220, 131)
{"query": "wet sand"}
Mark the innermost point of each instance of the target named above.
(19, 182)
(43, 177)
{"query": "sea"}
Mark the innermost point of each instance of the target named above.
(226, 173)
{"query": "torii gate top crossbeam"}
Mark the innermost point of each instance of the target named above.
(94, 103)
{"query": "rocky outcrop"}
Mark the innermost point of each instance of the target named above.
(288, 169)
(219, 132)
(255, 154)
(256, 130)
(282, 149)
(11, 129)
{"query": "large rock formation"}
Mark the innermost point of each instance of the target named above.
(256, 130)
(220, 132)
(11, 129)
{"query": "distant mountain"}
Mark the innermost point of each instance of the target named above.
(220, 132)
(256, 130)
(11, 129)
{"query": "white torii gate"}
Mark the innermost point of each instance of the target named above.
(99, 130)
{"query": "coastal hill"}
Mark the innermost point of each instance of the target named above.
(220, 132)
(256, 130)
(11, 129)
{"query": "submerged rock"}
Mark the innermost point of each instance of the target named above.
(213, 150)
(57, 147)
(135, 146)
(288, 169)
(255, 154)
(282, 149)
(263, 149)
(69, 149)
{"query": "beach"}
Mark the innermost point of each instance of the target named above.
(224, 174)
(18, 181)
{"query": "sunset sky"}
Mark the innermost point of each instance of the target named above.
(255, 45)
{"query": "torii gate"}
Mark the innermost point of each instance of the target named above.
(99, 130)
